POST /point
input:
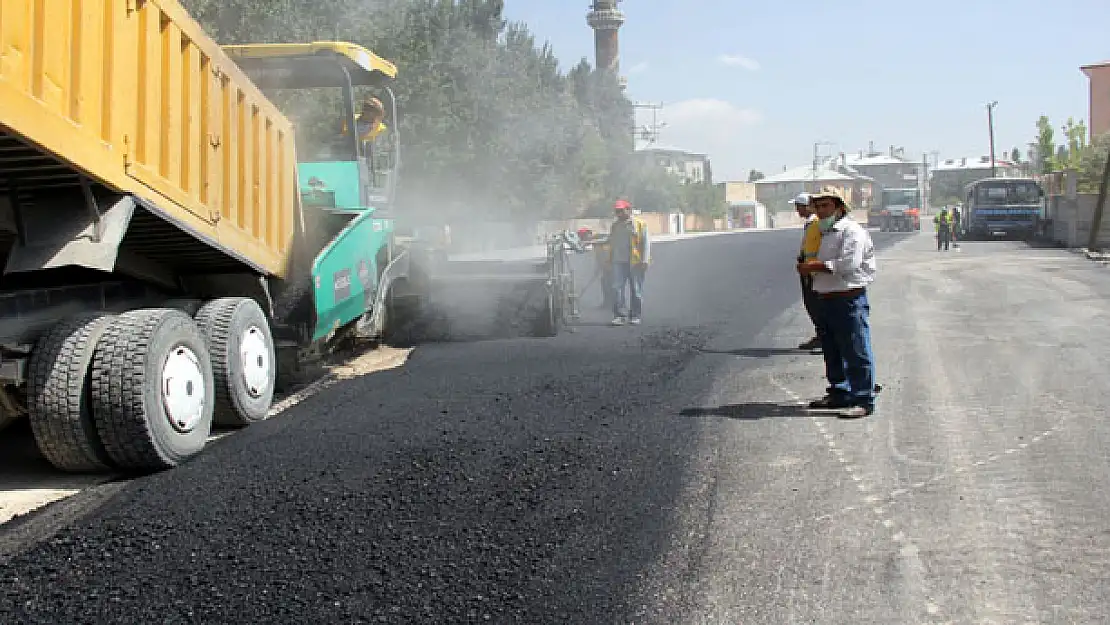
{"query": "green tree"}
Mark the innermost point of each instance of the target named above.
(492, 127)
(1091, 164)
(1044, 147)
(1015, 155)
(1075, 135)
(755, 175)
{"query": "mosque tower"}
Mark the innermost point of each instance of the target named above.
(606, 20)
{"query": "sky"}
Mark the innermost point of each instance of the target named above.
(755, 84)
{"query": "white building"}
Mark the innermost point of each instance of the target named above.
(690, 167)
(948, 179)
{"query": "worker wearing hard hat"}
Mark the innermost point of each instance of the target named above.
(943, 223)
(629, 255)
(370, 120)
(811, 242)
(843, 269)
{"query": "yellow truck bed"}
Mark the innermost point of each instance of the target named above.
(134, 96)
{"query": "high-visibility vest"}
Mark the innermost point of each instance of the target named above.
(811, 240)
(639, 230)
(365, 132)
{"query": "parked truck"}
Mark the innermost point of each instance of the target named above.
(1002, 207)
(900, 210)
(165, 240)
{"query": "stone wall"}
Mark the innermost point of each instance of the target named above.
(1071, 219)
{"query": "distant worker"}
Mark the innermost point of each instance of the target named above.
(943, 222)
(844, 267)
(811, 243)
(629, 255)
(956, 222)
(370, 121)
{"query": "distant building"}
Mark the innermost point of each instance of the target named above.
(1099, 103)
(888, 171)
(948, 179)
(689, 167)
(776, 191)
(744, 208)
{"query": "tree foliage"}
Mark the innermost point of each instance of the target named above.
(492, 127)
(1091, 164)
(1042, 151)
(1087, 159)
(1070, 155)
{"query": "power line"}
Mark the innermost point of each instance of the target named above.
(648, 133)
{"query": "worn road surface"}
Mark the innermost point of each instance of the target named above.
(659, 474)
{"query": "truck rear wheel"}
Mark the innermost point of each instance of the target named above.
(244, 366)
(152, 389)
(58, 402)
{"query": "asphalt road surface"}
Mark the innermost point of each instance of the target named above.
(658, 474)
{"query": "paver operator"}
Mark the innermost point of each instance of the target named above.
(629, 255)
(370, 121)
(844, 267)
(811, 243)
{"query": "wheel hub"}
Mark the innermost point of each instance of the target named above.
(183, 391)
(254, 356)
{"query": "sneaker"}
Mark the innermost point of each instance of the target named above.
(618, 321)
(813, 343)
(857, 412)
(635, 321)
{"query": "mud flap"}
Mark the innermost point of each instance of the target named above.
(372, 324)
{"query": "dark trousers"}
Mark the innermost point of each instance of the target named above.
(813, 306)
(846, 343)
(944, 237)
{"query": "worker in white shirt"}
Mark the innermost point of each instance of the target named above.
(844, 267)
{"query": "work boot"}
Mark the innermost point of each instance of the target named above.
(813, 343)
(635, 321)
(618, 321)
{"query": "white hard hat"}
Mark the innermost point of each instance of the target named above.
(801, 200)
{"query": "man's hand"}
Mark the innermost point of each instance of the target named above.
(641, 266)
(810, 267)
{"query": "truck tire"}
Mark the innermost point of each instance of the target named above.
(152, 389)
(244, 366)
(58, 402)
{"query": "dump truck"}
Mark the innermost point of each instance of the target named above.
(167, 247)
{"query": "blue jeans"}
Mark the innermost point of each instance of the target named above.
(846, 342)
(625, 273)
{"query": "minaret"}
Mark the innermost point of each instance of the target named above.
(606, 20)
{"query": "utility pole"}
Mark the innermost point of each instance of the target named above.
(923, 182)
(990, 128)
(649, 134)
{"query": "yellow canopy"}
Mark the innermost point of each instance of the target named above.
(320, 64)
